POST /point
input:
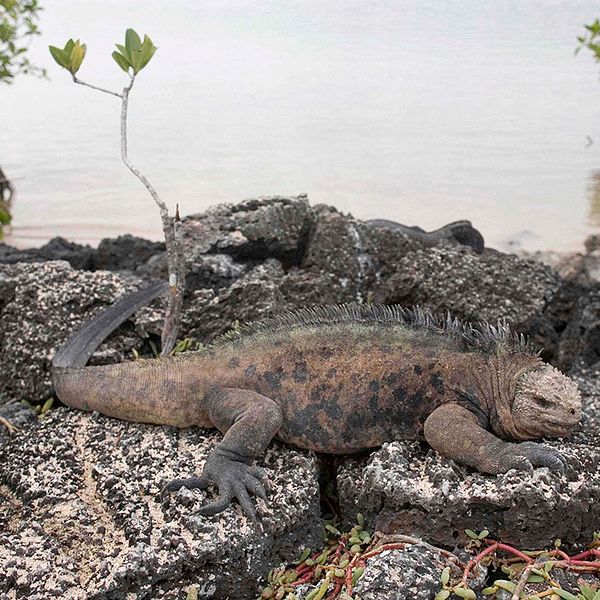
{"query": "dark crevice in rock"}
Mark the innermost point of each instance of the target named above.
(328, 492)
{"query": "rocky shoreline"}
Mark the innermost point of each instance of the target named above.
(80, 509)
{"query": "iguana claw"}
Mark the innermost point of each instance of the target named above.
(527, 455)
(11, 428)
(234, 479)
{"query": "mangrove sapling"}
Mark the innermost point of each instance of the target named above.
(132, 58)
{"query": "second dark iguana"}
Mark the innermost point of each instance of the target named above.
(337, 379)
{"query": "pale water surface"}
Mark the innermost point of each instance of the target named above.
(421, 112)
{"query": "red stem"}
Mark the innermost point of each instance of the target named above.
(592, 552)
(304, 579)
(336, 590)
(514, 551)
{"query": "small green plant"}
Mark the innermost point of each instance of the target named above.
(132, 58)
(590, 40)
(334, 570)
(187, 345)
(522, 568)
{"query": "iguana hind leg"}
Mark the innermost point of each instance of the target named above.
(456, 433)
(11, 428)
(249, 422)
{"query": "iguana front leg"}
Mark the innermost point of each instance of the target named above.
(249, 422)
(455, 433)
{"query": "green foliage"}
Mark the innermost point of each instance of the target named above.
(187, 345)
(17, 27)
(590, 40)
(522, 568)
(5, 217)
(135, 54)
(71, 56)
(332, 571)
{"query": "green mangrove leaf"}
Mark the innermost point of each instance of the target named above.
(76, 56)
(59, 56)
(121, 61)
(68, 48)
(147, 52)
(132, 41)
(123, 51)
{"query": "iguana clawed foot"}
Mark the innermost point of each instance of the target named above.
(235, 479)
(11, 428)
(526, 455)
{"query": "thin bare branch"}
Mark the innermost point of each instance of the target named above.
(173, 239)
(95, 87)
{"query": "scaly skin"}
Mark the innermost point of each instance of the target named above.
(340, 387)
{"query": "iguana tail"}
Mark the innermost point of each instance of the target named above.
(165, 391)
(77, 350)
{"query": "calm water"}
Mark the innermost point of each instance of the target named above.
(422, 112)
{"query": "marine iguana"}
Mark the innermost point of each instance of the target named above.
(333, 379)
(461, 232)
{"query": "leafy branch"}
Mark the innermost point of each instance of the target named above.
(17, 28)
(132, 58)
(590, 40)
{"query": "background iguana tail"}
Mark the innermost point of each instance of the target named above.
(76, 351)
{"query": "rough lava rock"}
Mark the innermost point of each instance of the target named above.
(78, 256)
(409, 488)
(79, 513)
(270, 227)
(41, 304)
(82, 514)
(475, 287)
(252, 297)
(125, 253)
(410, 573)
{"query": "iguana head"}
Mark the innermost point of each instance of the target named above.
(546, 404)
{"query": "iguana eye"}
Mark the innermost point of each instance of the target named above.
(543, 402)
